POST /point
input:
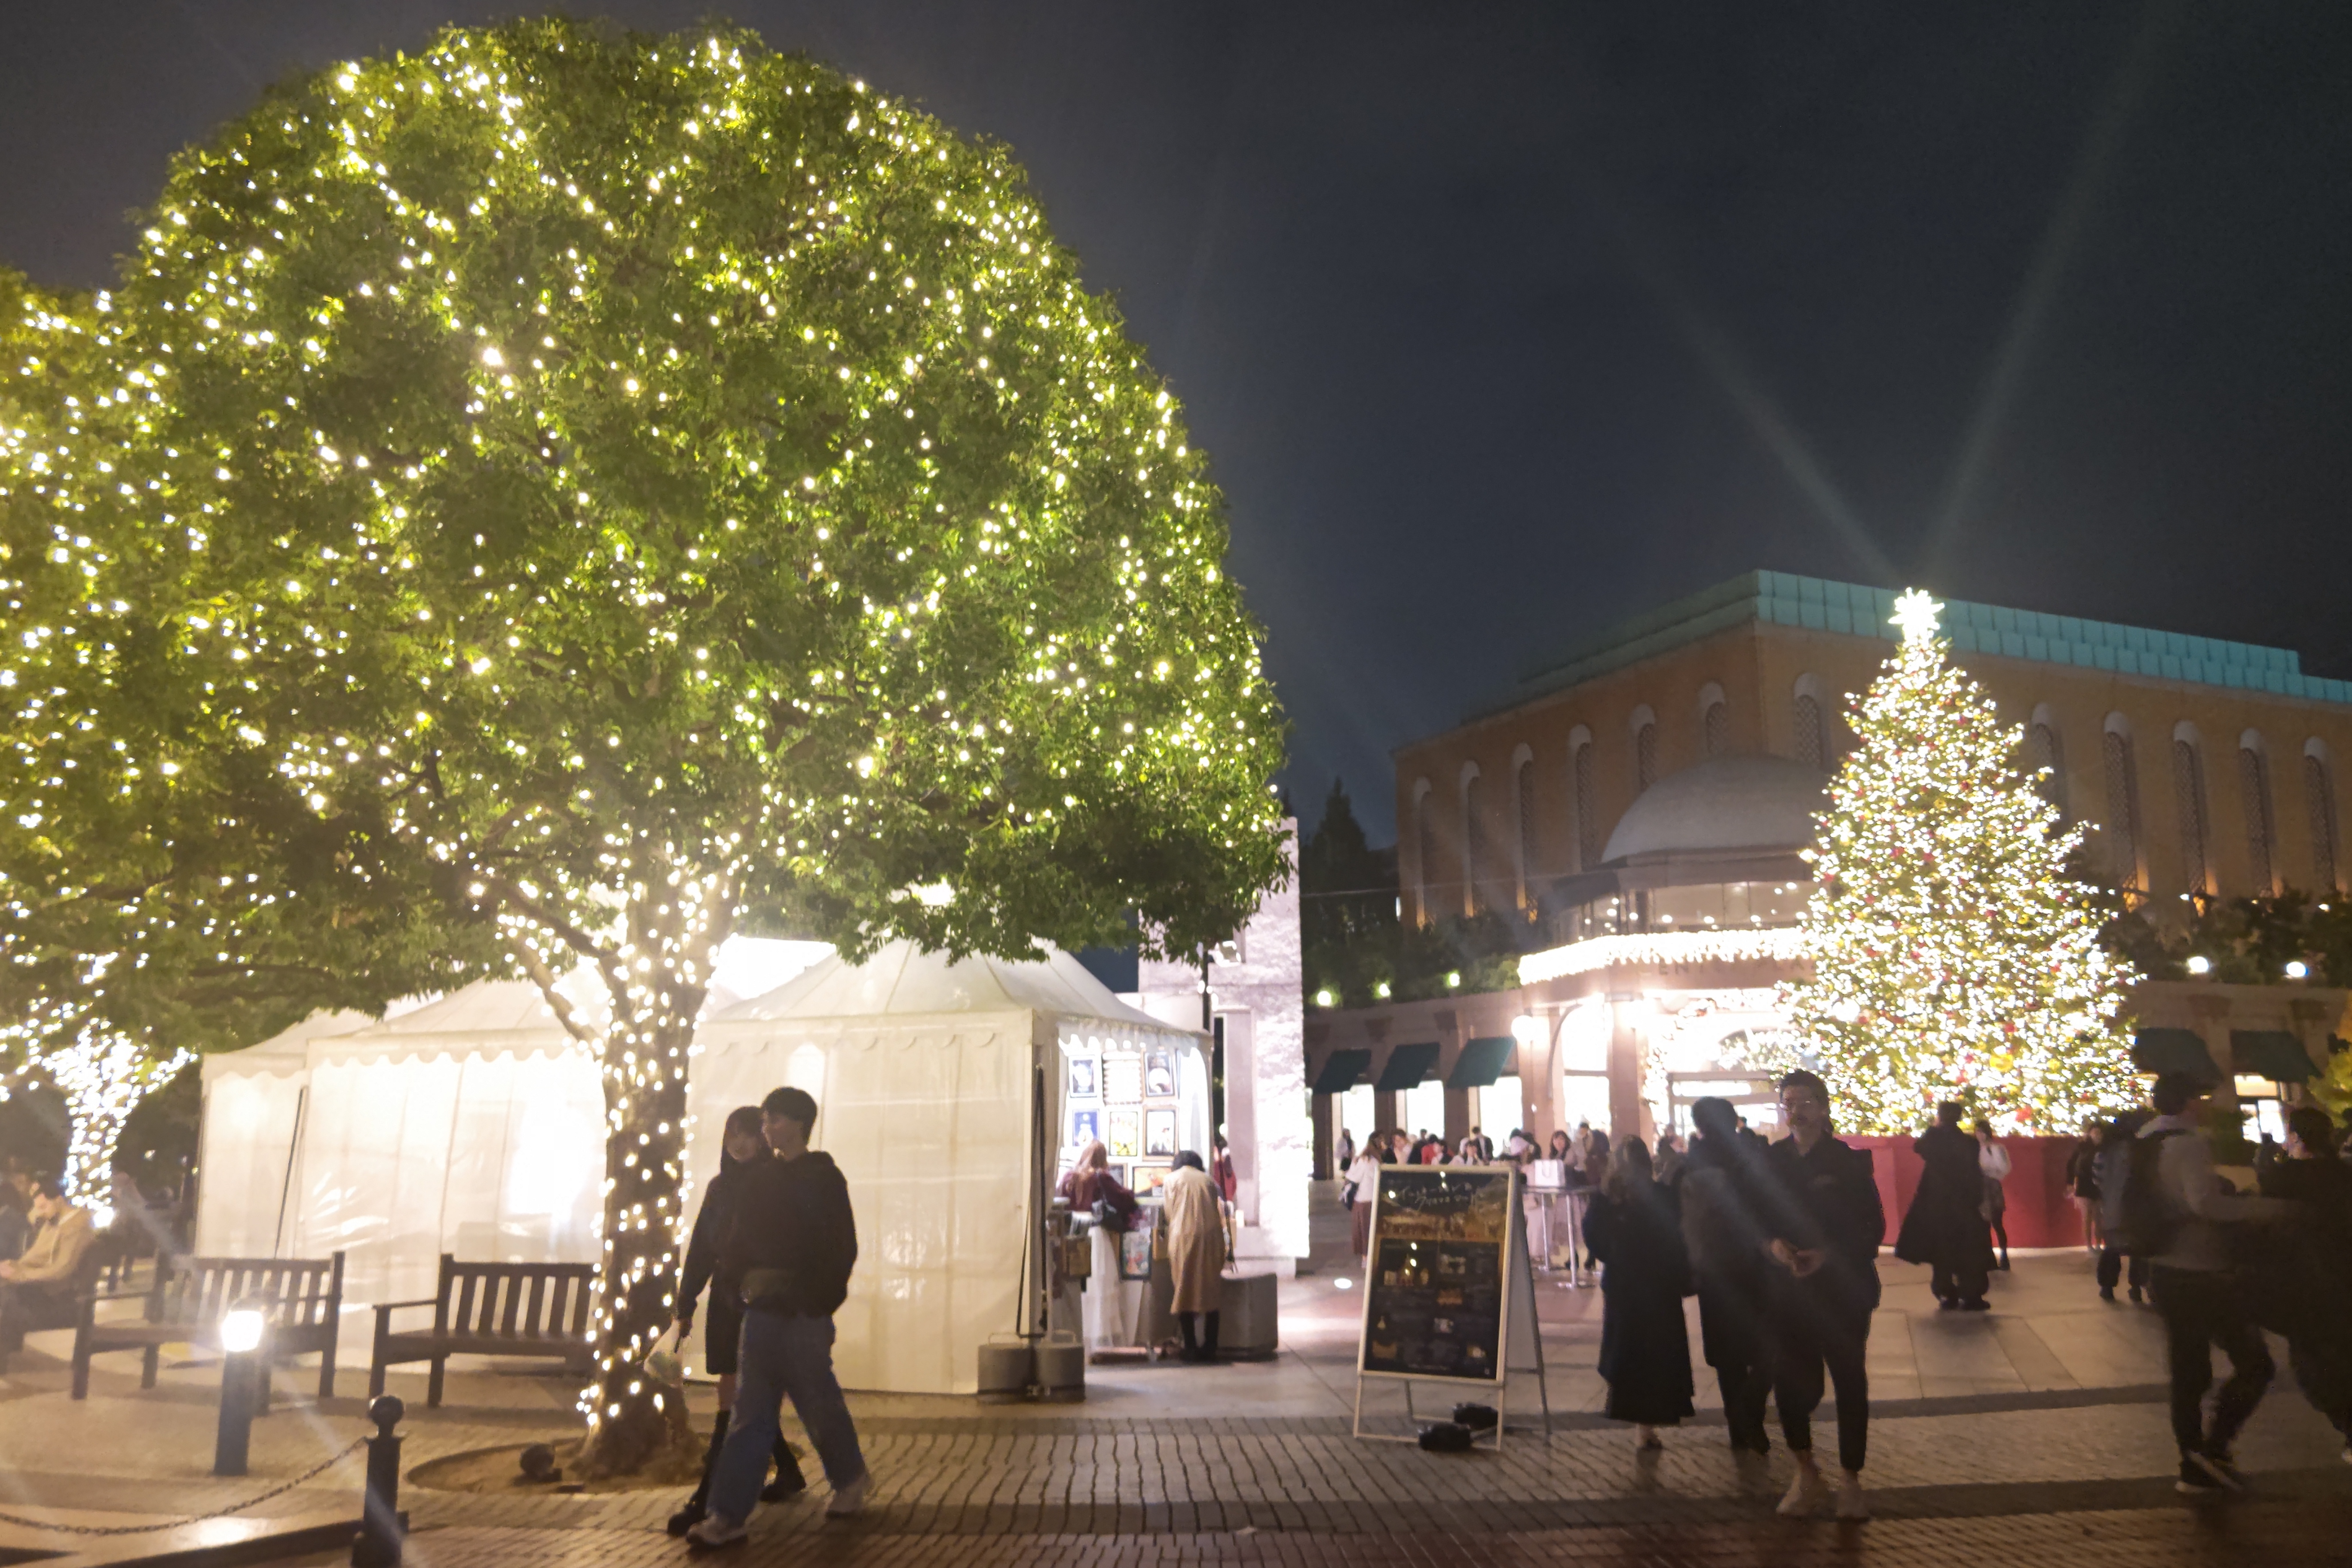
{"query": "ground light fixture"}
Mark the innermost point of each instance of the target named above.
(243, 1329)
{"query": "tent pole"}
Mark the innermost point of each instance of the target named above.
(286, 1187)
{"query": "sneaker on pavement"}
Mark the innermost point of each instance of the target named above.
(2221, 1468)
(849, 1499)
(1806, 1495)
(1852, 1502)
(2107, 1292)
(2196, 1481)
(2135, 1295)
(714, 1530)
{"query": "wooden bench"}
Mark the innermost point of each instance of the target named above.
(302, 1296)
(491, 1308)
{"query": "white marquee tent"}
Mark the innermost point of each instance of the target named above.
(474, 1125)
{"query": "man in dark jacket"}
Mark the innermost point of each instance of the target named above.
(1727, 1261)
(1945, 1228)
(792, 1245)
(2311, 1284)
(1822, 1223)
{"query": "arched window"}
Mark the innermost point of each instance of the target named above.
(2189, 801)
(1588, 810)
(1645, 749)
(2319, 799)
(2262, 821)
(1425, 852)
(1473, 835)
(1714, 721)
(2046, 758)
(1812, 730)
(1523, 848)
(2123, 839)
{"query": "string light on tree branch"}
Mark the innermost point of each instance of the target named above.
(1953, 957)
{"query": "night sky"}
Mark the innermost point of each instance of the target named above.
(1501, 322)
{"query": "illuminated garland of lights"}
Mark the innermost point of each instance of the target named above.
(1726, 946)
(1953, 956)
(592, 521)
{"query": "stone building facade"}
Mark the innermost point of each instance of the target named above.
(1643, 801)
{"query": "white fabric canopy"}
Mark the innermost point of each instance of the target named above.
(474, 1124)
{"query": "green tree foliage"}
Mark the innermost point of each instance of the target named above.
(573, 493)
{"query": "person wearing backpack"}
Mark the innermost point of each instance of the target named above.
(2107, 1174)
(2177, 1213)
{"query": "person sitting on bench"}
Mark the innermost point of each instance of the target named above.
(38, 1288)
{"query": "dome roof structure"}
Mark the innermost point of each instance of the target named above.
(1723, 806)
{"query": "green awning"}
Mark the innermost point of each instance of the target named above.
(1340, 1072)
(1481, 1062)
(1406, 1066)
(2173, 1050)
(2272, 1054)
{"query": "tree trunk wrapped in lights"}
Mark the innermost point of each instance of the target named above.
(559, 495)
(1953, 956)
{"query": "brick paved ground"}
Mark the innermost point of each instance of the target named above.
(2032, 1434)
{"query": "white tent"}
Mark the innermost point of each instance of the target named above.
(474, 1125)
(939, 1089)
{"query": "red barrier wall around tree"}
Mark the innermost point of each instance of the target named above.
(2041, 1205)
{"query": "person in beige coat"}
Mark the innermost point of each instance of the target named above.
(1193, 1210)
(40, 1289)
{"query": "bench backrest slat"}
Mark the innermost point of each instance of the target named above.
(520, 1303)
(296, 1292)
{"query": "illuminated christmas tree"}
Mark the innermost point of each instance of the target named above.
(1954, 958)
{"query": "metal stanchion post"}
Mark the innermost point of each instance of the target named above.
(244, 1334)
(378, 1543)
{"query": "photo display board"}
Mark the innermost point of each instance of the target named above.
(1436, 1291)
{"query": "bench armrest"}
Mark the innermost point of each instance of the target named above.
(385, 1309)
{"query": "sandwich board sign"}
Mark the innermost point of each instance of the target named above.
(1448, 1294)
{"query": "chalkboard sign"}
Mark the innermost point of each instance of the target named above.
(1436, 1291)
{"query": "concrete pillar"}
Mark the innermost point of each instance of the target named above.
(1628, 1036)
(1321, 1114)
(1457, 1117)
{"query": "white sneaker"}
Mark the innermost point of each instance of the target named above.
(716, 1530)
(1806, 1494)
(1852, 1502)
(849, 1499)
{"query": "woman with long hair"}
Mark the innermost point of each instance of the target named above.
(740, 1142)
(1635, 1232)
(1109, 1304)
(1364, 1188)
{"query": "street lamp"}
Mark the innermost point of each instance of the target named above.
(244, 1328)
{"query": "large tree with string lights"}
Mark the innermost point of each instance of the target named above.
(599, 488)
(1953, 955)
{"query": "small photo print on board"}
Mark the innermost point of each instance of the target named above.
(1123, 1130)
(1086, 1078)
(1158, 1134)
(1085, 1126)
(1159, 1075)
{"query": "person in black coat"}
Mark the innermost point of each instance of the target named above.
(741, 1144)
(2308, 1283)
(1946, 1227)
(1823, 1222)
(1633, 1228)
(1720, 1233)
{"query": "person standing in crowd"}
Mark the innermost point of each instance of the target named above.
(1194, 1222)
(1562, 1149)
(1344, 1155)
(1108, 1304)
(1727, 1266)
(2176, 1210)
(740, 1142)
(1364, 1191)
(1670, 1159)
(1635, 1232)
(2109, 1168)
(791, 1245)
(1946, 1226)
(1822, 1221)
(2313, 1305)
(2083, 1181)
(1993, 1161)
(40, 1286)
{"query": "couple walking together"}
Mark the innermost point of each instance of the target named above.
(776, 1241)
(1780, 1244)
